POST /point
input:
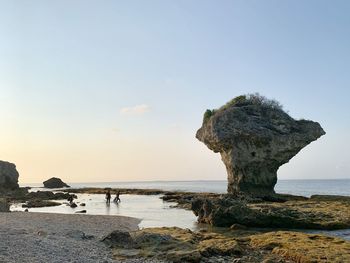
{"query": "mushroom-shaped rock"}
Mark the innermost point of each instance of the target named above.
(255, 137)
(8, 176)
(55, 183)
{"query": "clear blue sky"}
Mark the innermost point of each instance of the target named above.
(115, 90)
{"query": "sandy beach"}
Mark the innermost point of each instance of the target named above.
(44, 237)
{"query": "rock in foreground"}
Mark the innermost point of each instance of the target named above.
(301, 247)
(295, 214)
(4, 206)
(173, 244)
(8, 176)
(54, 183)
(255, 137)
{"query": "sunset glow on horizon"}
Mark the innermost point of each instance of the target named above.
(116, 91)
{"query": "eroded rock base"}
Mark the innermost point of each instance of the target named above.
(299, 213)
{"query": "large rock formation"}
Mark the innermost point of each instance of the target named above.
(8, 176)
(55, 183)
(255, 137)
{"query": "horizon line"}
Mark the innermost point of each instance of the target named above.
(150, 181)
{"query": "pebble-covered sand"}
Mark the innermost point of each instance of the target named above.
(44, 237)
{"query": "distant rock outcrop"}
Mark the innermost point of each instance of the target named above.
(255, 137)
(8, 176)
(55, 183)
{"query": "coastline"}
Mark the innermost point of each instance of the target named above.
(73, 237)
(304, 187)
(44, 237)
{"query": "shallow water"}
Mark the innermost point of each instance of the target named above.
(155, 213)
(150, 209)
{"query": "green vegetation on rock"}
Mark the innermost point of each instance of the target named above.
(244, 100)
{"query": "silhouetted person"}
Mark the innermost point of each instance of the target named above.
(108, 197)
(70, 199)
(117, 199)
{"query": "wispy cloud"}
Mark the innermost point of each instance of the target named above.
(135, 110)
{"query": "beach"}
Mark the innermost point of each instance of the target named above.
(44, 237)
(153, 225)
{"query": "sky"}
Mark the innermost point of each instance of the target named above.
(101, 91)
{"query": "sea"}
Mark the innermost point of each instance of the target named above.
(153, 212)
(296, 187)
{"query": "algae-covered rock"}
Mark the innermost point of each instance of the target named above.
(303, 214)
(303, 248)
(172, 244)
(4, 205)
(255, 137)
(39, 203)
(118, 238)
(48, 195)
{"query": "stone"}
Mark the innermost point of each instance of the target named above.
(39, 203)
(73, 205)
(81, 212)
(118, 238)
(173, 244)
(42, 233)
(303, 247)
(8, 176)
(255, 137)
(82, 204)
(4, 206)
(54, 183)
(295, 214)
(77, 234)
(48, 195)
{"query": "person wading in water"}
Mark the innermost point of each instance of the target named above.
(108, 197)
(117, 199)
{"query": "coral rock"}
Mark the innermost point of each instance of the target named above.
(255, 137)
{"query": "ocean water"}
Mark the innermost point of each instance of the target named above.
(153, 212)
(296, 187)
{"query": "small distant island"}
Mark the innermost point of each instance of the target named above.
(54, 182)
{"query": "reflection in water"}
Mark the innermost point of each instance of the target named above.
(108, 208)
(150, 209)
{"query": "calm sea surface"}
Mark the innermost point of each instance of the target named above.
(296, 187)
(155, 213)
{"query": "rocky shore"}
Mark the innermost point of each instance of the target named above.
(40, 237)
(321, 212)
(239, 241)
(254, 137)
(182, 245)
